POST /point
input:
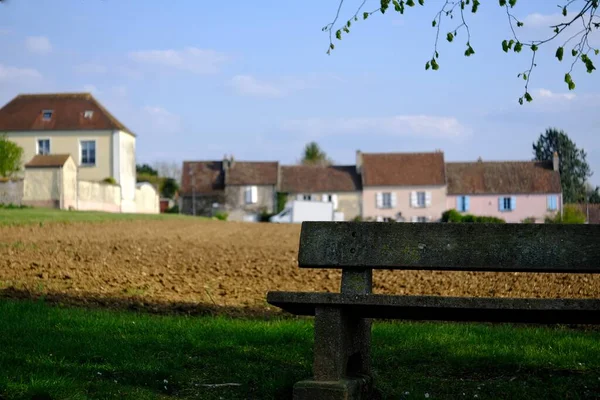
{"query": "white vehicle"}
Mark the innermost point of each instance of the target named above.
(298, 211)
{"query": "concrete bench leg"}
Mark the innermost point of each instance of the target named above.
(342, 358)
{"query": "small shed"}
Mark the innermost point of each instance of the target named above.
(50, 181)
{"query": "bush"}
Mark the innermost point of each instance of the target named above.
(221, 215)
(454, 216)
(110, 180)
(571, 215)
(529, 220)
(173, 210)
(12, 206)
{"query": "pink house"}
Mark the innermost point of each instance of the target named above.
(403, 187)
(511, 190)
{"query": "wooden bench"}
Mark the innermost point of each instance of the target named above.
(342, 364)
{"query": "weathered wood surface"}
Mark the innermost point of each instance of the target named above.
(436, 308)
(458, 247)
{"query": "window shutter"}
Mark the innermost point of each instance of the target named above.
(555, 202)
(549, 203)
(413, 199)
(393, 199)
(500, 203)
(379, 200)
(325, 198)
(247, 195)
(299, 196)
(513, 203)
(334, 200)
(459, 203)
(254, 194)
(467, 203)
(427, 199)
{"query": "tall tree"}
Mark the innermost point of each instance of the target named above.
(573, 167)
(146, 169)
(593, 194)
(10, 157)
(579, 21)
(313, 155)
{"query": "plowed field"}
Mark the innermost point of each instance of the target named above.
(215, 264)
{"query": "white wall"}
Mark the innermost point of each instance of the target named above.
(146, 199)
(95, 196)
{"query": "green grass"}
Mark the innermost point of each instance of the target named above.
(42, 215)
(69, 353)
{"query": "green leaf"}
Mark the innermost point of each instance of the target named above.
(338, 34)
(528, 97)
(346, 29)
(427, 65)
(475, 6)
(596, 51)
(520, 24)
(520, 100)
(559, 53)
(437, 55)
(505, 46)
(434, 65)
(574, 52)
(348, 23)
(365, 15)
(564, 11)
(449, 36)
(384, 5)
(510, 43)
(512, 2)
(331, 46)
(422, 2)
(518, 47)
(502, 3)
(524, 77)
(571, 85)
(469, 50)
(568, 78)
(433, 23)
(534, 47)
(410, 3)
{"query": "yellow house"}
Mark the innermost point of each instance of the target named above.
(78, 125)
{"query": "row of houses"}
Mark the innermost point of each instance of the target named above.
(406, 187)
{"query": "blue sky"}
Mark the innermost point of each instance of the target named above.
(199, 79)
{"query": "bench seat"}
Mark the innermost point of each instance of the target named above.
(437, 308)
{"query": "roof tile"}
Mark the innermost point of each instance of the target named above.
(403, 169)
(318, 179)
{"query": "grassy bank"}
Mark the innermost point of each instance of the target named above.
(66, 353)
(23, 216)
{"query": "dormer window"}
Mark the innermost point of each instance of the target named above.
(47, 115)
(88, 114)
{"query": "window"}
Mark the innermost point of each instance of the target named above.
(307, 197)
(43, 146)
(251, 194)
(421, 219)
(386, 201)
(88, 114)
(88, 152)
(47, 115)
(331, 198)
(421, 199)
(507, 203)
(552, 203)
(462, 203)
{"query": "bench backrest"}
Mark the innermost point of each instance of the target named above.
(453, 247)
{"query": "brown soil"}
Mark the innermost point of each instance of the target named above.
(216, 264)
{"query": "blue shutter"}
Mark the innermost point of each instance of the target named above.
(549, 202)
(500, 203)
(513, 203)
(554, 203)
(466, 203)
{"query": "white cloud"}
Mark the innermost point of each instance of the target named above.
(398, 125)
(548, 94)
(537, 20)
(191, 59)
(13, 73)
(250, 86)
(162, 120)
(90, 68)
(91, 88)
(38, 44)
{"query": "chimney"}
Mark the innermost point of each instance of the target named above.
(359, 161)
(555, 161)
(231, 161)
(479, 159)
(225, 163)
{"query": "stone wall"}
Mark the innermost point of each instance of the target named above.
(11, 192)
(236, 204)
(96, 196)
(204, 204)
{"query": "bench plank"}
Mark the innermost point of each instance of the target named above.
(437, 308)
(454, 247)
